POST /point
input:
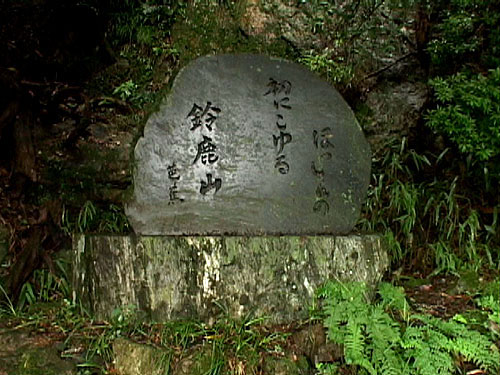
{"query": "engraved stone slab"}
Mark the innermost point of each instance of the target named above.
(249, 145)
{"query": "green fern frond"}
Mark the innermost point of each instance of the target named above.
(354, 347)
(382, 329)
(394, 298)
(457, 340)
(378, 344)
(428, 361)
(391, 363)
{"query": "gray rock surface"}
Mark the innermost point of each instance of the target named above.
(26, 353)
(246, 145)
(191, 277)
(394, 111)
(131, 358)
(198, 361)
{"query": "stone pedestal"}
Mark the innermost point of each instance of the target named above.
(195, 277)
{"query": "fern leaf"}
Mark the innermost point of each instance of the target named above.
(354, 347)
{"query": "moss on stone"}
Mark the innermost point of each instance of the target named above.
(172, 277)
(44, 361)
(137, 359)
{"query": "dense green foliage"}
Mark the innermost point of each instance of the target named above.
(469, 112)
(385, 338)
(427, 221)
(466, 60)
(466, 31)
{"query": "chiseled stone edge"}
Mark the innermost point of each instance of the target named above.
(179, 277)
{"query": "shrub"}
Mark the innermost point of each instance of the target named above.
(469, 112)
(467, 32)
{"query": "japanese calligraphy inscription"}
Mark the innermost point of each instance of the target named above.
(248, 144)
(280, 92)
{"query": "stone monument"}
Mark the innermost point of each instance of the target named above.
(248, 181)
(250, 145)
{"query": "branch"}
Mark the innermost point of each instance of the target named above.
(387, 67)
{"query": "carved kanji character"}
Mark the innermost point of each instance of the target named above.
(210, 184)
(172, 194)
(278, 87)
(199, 116)
(206, 151)
(283, 103)
(173, 172)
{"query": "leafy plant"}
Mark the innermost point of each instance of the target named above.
(45, 286)
(93, 218)
(326, 368)
(377, 343)
(432, 345)
(371, 338)
(445, 258)
(126, 90)
(489, 302)
(125, 321)
(7, 307)
(466, 31)
(469, 113)
(433, 220)
(333, 71)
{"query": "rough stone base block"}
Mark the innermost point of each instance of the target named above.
(193, 277)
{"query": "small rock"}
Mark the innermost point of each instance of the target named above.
(45, 360)
(196, 363)
(286, 366)
(22, 354)
(138, 359)
(311, 342)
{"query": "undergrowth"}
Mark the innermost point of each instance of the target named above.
(468, 113)
(47, 305)
(82, 196)
(387, 338)
(92, 218)
(380, 337)
(429, 219)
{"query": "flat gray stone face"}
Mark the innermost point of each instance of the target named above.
(249, 145)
